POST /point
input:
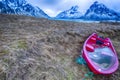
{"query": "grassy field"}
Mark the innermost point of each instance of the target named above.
(42, 49)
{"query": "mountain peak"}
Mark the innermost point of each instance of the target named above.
(72, 13)
(98, 6)
(98, 11)
(96, 2)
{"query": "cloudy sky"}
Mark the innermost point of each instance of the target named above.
(54, 7)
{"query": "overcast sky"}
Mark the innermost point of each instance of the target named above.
(54, 7)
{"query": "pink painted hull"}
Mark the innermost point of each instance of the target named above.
(110, 61)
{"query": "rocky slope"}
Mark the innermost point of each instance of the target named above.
(41, 49)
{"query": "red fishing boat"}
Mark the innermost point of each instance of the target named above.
(100, 55)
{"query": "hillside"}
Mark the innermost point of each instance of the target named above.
(41, 49)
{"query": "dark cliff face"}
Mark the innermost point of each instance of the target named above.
(99, 11)
(20, 7)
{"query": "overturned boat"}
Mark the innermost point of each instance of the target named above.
(100, 55)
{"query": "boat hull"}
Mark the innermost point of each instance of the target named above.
(90, 47)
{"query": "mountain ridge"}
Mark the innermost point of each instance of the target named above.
(21, 7)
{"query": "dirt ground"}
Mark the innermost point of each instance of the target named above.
(42, 49)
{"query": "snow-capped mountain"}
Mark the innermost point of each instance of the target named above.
(73, 13)
(20, 7)
(99, 11)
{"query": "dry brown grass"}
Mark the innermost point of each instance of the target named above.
(41, 49)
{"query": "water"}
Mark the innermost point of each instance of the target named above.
(102, 57)
(84, 21)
